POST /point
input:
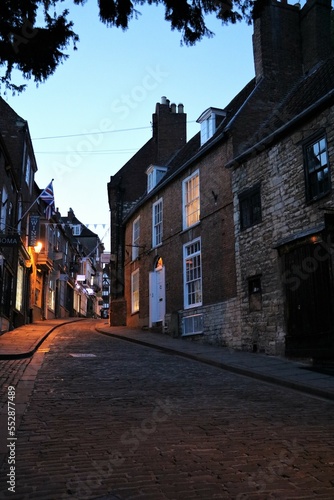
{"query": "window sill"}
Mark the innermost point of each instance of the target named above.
(184, 230)
(318, 198)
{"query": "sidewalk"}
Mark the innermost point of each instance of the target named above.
(24, 341)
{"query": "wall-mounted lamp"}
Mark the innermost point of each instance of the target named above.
(38, 247)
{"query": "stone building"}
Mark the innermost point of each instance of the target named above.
(283, 198)
(233, 243)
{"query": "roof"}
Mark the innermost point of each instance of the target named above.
(310, 92)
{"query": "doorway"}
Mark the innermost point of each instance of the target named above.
(309, 299)
(157, 293)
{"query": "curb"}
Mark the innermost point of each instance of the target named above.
(313, 391)
(31, 352)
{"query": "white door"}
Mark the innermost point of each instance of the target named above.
(157, 296)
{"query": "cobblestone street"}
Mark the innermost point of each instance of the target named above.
(109, 419)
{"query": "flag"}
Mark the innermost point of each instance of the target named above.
(48, 197)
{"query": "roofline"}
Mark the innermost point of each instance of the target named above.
(204, 149)
(261, 145)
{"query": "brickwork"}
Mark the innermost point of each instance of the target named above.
(128, 185)
(217, 245)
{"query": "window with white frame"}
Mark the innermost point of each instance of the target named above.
(135, 291)
(76, 229)
(209, 120)
(192, 269)
(154, 175)
(157, 223)
(135, 238)
(191, 200)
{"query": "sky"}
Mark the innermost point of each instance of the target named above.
(89, 118)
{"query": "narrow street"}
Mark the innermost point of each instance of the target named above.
(102, 418)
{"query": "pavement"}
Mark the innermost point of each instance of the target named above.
(24, 341)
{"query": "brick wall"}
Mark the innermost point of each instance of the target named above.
(217, 245)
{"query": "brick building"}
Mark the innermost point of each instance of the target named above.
(243, 213)
(128, 185)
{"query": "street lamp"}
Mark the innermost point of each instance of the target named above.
(38, 247)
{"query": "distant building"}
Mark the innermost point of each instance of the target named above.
(46, 271)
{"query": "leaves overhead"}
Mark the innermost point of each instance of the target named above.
(34, 37)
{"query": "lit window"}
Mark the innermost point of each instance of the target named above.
(19, 288)
(191, 201)
(157, 223)
(135, 291)
(192, 268)
(317, 169)
(51, 295)
(250, 207)
(135, 238)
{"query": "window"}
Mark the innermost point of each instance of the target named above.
(191, 200)
(135, 291)
(19, 288)
(250, 207)
(76, 229)
(192, 325)
(317, 169)
(209, 121)
(154, 176)
(255, 293)
(192, 268)
(3, 212)
(157, 223)
(28, 172)
(135, 238)
(52, 295)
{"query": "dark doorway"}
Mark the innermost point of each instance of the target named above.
(308, 280)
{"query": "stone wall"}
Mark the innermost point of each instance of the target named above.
(285, 214)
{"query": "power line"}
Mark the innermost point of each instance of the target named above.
(90, 133)
(96, 133)
(99, 151)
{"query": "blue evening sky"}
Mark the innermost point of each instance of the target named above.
(88, 119)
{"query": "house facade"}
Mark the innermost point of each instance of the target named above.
(231, 240)
(179, 259)
(46, 269)
(128, 185)
(283, 198)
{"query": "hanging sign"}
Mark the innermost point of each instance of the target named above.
(33, 236)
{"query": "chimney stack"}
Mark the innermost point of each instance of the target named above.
(277, 43)
(169, 129)
(316, 32)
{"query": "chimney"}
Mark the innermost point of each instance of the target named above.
(169, 129)
(315, 32)
(277, 43)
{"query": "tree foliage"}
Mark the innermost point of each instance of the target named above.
(33, 38)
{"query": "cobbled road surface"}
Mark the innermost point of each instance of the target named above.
(102, 418)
